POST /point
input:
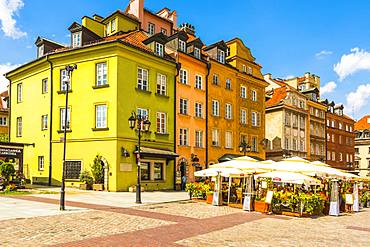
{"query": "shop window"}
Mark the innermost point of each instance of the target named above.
(158, 171)
(145, 171)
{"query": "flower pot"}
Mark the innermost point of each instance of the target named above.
(260, 206)
(98, 187)
(209, 198)
(85, 187)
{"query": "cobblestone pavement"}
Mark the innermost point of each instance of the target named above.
(181, 224)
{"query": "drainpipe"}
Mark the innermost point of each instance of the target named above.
(51, 122)
(207, 78)
(178, 67)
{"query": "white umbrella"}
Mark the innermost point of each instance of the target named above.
(223, 171)
(289, 177)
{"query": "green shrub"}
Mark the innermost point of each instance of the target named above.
(86, 178)
(6, 171)
(97, 170)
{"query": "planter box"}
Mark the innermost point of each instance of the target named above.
(210, 198)
(98, 187)
(260, 206)
(85, 187)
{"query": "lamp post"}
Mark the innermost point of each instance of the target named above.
(66, 81)
(244, 147)
(143, 125)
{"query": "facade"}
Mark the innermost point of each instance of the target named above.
(110, 70)
(340, 137)
(362, 146)
(4, 117)
(287, 121)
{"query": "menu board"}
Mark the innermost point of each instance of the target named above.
(269, 196)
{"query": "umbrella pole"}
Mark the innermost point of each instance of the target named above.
(228, 193)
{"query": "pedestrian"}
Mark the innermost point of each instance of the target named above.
(183, 183)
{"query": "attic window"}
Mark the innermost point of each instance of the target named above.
(228, 52)
(40, 51)
(221, 56)
(113, 25)
(182, 45)
(159, 49)
(197, 52)
(76, 39)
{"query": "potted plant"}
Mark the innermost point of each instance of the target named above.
(87, 180)
(209, 197)
(190, 187)
(97, 170)
(260, 205)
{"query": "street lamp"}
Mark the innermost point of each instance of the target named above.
(143, 125)
(66, 81)
(244, 147)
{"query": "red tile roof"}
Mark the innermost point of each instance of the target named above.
(363, 123)
(278, 95)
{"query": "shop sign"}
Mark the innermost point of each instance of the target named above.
(10, 152)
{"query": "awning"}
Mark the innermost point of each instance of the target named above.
(157, 153)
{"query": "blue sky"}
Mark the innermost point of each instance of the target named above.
(288, 38)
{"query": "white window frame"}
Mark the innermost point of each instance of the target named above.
(215, 79)
(182, 45)
(159, 49)
(243, 116)
(161, 84)
(228, 111)
(3, 121)
(255, 120)
(44, 122)
(19, 127)
(161, 123)
(215, 108)
(254, 95)
(41, 163)
(220, 56)
(243, 92)
(77, 39)
(63, 78)
(199, 139)
(249, 70)
(151, 28)
(199, 82)
(215, 137)
(144, 113)
(198, 110)
(101, 74)
(197, 52)
(142, 79)
(228, 139)
(184, 106)
(183, 76)
(19, 92)
(40, 51)
(228, 84)
(101, 116)
(62, 118)
(184, 137)
(113, 25)
(254, 144)
(44, 85)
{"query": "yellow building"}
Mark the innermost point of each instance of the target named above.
(119, 70)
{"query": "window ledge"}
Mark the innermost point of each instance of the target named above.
(63, 92)
(184, 84)
(162, 95)
(199, 118)
(152, 181)
(100, 86)
(200, 148)
(184, 115)
(100, 129)
(199, 89)
(62, 131)
(184, 146)
(143, 91)
(162, 134)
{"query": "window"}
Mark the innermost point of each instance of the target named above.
(228, 139)
(44, 122)
(41, 163)
(228, 51)
(312, 148)
(151, 28)
(161, 123)
(145, 171)
(254, 144)
(220, 56)
(100, 116)
(228, 111)
(350, 128)
(249, 70)
(215, 79)
(108, 28)
(62, 118)
(333, 138)
(228, 84)
(328, 122)
(101, 74)
(243, 116)
(113, 25)
(215, 108)
(347, 157)
(142, 79)
(243, 92)
(286, 143)
(333, 156)
(302, 87)
(197, 52)
(295, 121)
(198, 139)
(158, 171)
(184, 106)
(40, 51)
(346, 127)
(255, 119)
(144, 113)
(357, 150)
(302, 123)
(215, 137)
(295, 144)
(328, 153)
(244, 68)
(161, 84)
(159, 49)
(287, 119)
(64, 81)
(3, 121)
(19, 126)
(19, 93)
(164, 31)
(44, 86)
(301, 104)
(198, 82)
(340, 157)
(340, 139)
(76, 39)
(182, 45)
(333, 124)
(301, 146)
(183, 76)
(198, 110)
(254, 95)
(184, 138)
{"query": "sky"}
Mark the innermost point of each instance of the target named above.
(287, 37)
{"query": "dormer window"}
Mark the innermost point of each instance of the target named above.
(221, 56)
(164, 31)
(76, 39)
(314, 97)
(159, 49)
(197, 52)
(113, 25)
(244, 68)
(40, 51)
(182, 45)
(249, 70)
(302, 87)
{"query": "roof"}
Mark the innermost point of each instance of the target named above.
(278, 95)
(221, 44)
(130, 16)
(363, 123)
(4, 94)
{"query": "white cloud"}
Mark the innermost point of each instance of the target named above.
(9, 8)
(4, 68)
(353, 62)
(358, 99)
(328, 87)
(322, 54)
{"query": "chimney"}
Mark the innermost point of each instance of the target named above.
(136, 8)
(173, 17)
(307, 75)
(188, 28)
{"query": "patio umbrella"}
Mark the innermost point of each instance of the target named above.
(289, 177)
(222, 171)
